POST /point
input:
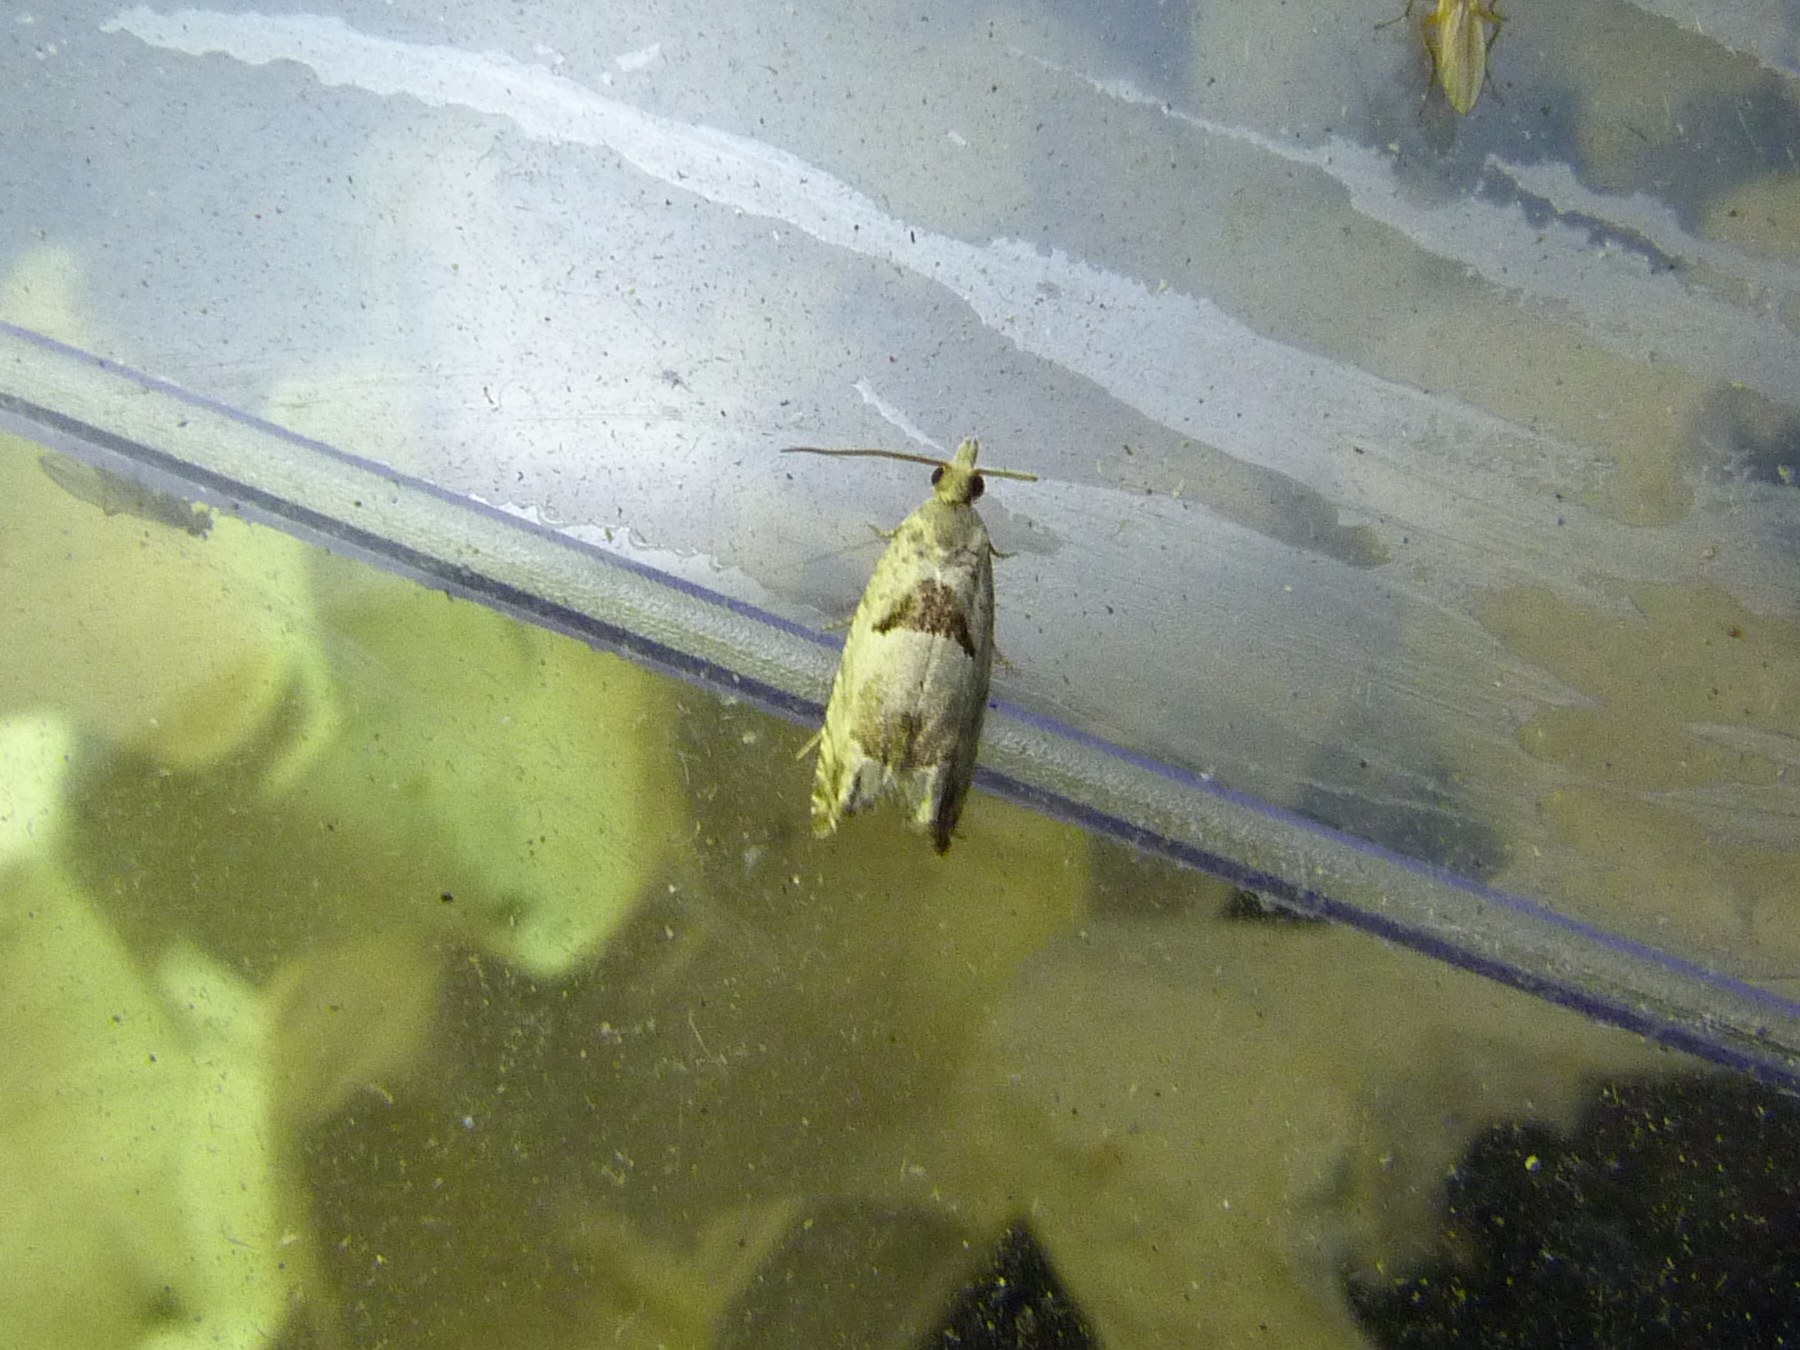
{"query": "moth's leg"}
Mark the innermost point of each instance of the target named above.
(1494, 17)
(1389, 23)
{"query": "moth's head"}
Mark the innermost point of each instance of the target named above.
(956, 483)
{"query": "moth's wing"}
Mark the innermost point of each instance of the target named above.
(1461, 54)
(847, 778)
(911, 689)
(841, 759)
(939, 789)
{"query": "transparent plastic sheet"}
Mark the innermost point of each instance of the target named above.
(1424, 476)
(173, 442)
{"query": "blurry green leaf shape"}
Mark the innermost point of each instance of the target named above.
(142, 1206)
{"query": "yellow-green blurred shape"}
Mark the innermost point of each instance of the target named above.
(172, 644)
(141, 1206)
(649, 1294)
(884, 955)
(352, 1017)
(535, 771)
(943, 938)
(1208, 1120)
(240, 1276)
(827, 993)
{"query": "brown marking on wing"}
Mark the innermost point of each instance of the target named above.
(895, 739)
(931, 607)
(902, 739)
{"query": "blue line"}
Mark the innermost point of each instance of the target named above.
(1776, 1065)
(1518, 904)
(421, 485)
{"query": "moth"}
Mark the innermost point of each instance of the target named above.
(906, 708)
(1458, 42)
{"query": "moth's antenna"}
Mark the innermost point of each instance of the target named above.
(911, 459)
(867, 454)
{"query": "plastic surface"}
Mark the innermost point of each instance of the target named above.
(1428, 477)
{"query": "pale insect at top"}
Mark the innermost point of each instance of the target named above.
(1458, 41)
(905, 714)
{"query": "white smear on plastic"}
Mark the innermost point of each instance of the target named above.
(1177, 358)
(637, 60)
(698, 569)
(1459, 482)
(895, 417)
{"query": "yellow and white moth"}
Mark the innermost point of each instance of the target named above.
(911, 690)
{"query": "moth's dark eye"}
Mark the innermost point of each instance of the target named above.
(936, 474)
(977, 486)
